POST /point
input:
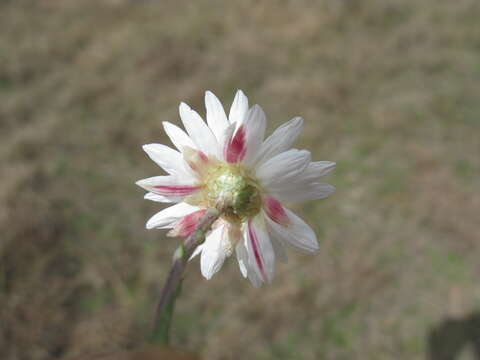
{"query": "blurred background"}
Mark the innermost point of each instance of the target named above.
(389, 90)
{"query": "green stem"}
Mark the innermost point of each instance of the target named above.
(171, 289)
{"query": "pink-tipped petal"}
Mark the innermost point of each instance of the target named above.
(196, 159)
(261, 256)
(297, 234)
(171, 187)
(252, 238)
(236, 147)
(275, 210)
(227, 136)
(255, 124)
(186, 225)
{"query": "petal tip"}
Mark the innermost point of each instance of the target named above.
(298, 120)
(240, 93)
(314, 247)
(183, 107)
(256, 108)
(147, 147)
(206, 273)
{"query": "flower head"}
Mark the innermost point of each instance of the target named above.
(228, 165)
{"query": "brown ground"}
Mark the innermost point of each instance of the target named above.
(389, 90)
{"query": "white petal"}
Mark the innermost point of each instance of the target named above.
(254, 278)
(168, 159)
(239, 108)
(261, 256)
(177, 136)
(242, 257)
(216, 117)
(305, 186)
(255, 125)
(197, 251)
(297, 233)
(151, 183)
(300, 192)
(167, 217)
(213, 254)
(281, 140)
(283, 168)
(198, 131)
(245, 268)
(158, 198)
(227, 135)
(317, 169)
(279, 249)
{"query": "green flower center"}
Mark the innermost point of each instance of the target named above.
(230, 188)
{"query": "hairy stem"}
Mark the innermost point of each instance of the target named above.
(172, 287)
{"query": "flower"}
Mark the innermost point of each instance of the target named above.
(227, 164)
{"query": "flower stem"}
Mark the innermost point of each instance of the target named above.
(172, 287)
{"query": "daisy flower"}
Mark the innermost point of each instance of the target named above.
(226, 163)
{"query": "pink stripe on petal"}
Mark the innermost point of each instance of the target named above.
(186, 225)
(196, 159)
(236, 147)
(256, 251)
(203, 157)
(174, 190)
(275, 210)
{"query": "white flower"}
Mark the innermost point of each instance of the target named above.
(227, 164)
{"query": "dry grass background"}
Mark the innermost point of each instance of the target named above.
(389, 90)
